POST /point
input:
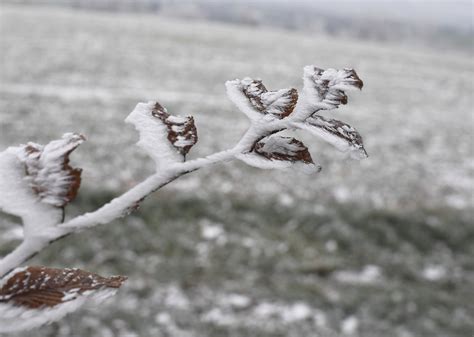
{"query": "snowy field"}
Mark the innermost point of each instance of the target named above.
(381, 247)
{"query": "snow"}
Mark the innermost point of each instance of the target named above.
(350, 325)
(237, 96)
(15, 318)
(323, 89)
(18, 198)
(163, 318)
(295, 312)
(434, 272)
(279, 146)
(238, 301)
(46, 171)
(428, 139)
(219, 317)
(175, 298)
(331, 246)
(177, 119)
(182, 142)
(211, 232)
(370, 274)
(35, 197)
(253, 99)
(276, 100)
(154, 135)
(342, 136)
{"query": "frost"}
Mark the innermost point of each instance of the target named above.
(350, 325)
(287, 313)
(339, 134)
(297, 312)
(33, 296)
(165, 138)
(369, 275)
(14, 319)
(176, 298)
(253, 99)
(277, 152)
(48, 171)
(324, 89)
(218, 317)
(163, 318)
(37, 182)
(434, 272)
(18, 198)
(211, 232)
(331, 246)
(238, 301)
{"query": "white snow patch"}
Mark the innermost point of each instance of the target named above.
(18, 198)
(154, 135)
(211, 232)
(163, 318)
(434, 272)
(219, 317)
(368, 275)
(237, 301)
(176, 298)
(237, 96)
(18, 318)
(350, 325)
(297, 312)
(287, 313)
(331, 246)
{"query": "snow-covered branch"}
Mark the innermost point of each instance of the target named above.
(37, 182)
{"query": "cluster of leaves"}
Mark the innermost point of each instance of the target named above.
(277, 111)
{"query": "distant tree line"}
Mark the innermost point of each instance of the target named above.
(283, 15)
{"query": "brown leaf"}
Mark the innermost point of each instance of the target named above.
(341, 135)
(182, 132)
(283, 148)
(279, 104)
(325, 89)
(36, 287)
(48, 170)
(277, 152)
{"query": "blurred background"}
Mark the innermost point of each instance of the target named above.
(381, 247)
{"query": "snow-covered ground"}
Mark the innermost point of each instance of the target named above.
(370, 248)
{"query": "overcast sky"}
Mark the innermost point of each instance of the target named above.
(458, 13)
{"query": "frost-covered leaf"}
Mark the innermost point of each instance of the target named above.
(252, 98)
(182, 132)
(18, 198)
(166, 138)
(33, 296)
(325, 89)
(47, 169)
(343, 136)
(277, 152)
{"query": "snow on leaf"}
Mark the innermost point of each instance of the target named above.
(325, 89)
(166, 138)
(33, 296)
(341, 135)
(18, 198)
(252, 98)
(48, 171)
(277, 152)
